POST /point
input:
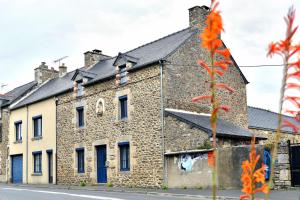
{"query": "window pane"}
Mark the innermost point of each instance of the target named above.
(80, 161)
(124, 157)
(123, 107)
(123, 78)
(37, 163)
(80, 116)
(37, 126)
(79, 89)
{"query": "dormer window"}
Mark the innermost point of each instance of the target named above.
(79, 88)
(123, 78)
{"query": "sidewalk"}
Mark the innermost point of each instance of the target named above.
(187, 193)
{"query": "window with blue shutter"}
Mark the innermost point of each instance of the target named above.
(80, 160)
(37, 126)
(123, 107)
(124, 156)
(80, 116)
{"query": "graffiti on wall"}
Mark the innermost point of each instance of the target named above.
(187, 161)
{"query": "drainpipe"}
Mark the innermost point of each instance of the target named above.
(161, 62)
(56, 103)
(27, 116)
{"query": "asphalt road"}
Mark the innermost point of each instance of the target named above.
(11, 192)
(17, 193)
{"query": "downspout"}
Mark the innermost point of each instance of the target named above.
(56, 102)
(161, 62)
(27, 116)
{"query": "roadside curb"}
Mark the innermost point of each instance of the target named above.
(152, 193)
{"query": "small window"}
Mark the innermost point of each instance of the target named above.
(37, 162)
(80, 116)
(123, 107)
(18, 129)
(123, 78)
(124, 156)
(79, 88)
(80, 160)
(37, 126)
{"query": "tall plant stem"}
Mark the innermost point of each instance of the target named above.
(213, 122)
(278, 132)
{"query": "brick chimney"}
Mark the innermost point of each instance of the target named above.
(93, 57)
(43, 73)
(197, 16)
(62, 70)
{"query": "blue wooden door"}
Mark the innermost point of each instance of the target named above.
(17, 169)
(101, 164)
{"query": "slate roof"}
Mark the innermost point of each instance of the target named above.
(144, 55)
(17, 93)
(224, 129)
(259, 118)
(49, 89)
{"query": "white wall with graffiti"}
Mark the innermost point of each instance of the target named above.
(189, 170)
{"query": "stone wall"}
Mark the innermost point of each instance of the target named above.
(185, 79)
(180, 136)
(3, 144)
(270, 135)
(142, 130)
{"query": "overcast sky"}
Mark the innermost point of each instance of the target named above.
(36, 30)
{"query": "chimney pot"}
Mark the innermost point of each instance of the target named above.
(62, 70)
(93, 57)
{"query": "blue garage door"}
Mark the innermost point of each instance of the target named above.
(17, 169)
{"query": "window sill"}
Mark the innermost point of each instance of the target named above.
(124, 170)
(37, 174)
(81, 127)
(18, 142)
(37, 138)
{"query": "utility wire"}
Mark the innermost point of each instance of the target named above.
(243, 66)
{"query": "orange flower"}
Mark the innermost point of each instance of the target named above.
(252, 177)
(287, 50)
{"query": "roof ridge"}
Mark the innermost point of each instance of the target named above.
(157, 40)
(114, 57)
(269, 111)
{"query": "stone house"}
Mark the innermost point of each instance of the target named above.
(121, 119)
(116, 117)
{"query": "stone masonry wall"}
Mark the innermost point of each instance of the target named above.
(185, 79)
(142, 130)
(3, 144)
(180, 136)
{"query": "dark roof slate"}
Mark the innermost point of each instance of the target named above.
(146, 54)
(259, 118)
(18, 92)
(224, 129)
